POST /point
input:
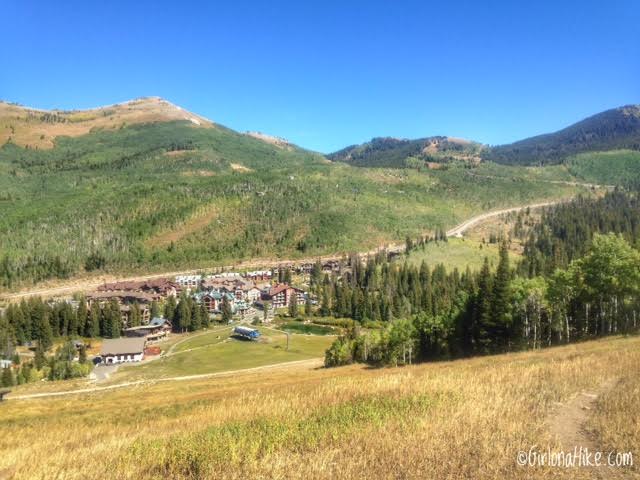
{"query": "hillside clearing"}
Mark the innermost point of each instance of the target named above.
(461, 419)
(218, 352)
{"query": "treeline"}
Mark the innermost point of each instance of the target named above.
(40, 325)
(37, 322)
(565, 231)
(421, 313)
(67, 362)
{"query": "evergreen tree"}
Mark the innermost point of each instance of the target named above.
(106, 320)
(7, 377)
(500, 299)
(204, 315)
(182, 318)
(40, 359)
(227, 313)
(135, 315)
(116, 320)
(325, 305)
(196, 319)
(82, 354)
(93, 322)
(482, 309)
(82, 316)
(155, 309)
(293, 305)
(43, 333)
(170, 308)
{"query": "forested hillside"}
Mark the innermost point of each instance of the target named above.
(580, 278)
(593, 148)
(614, 129)
(174, 194)
(565, 232)
(401, 153)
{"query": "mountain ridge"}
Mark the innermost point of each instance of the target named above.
(614, 129)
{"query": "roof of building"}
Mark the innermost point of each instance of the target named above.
(158, 321)
(153, 284)
(281, 287)
(121, 346)
(140, 296)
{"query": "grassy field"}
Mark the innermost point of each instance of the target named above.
(457, 253)
(446, 420)
(218, 352)
(308, 328)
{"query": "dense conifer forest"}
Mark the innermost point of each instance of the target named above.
(579, 279)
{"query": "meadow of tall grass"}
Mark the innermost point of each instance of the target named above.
(446, 420)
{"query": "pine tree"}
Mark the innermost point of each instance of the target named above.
(293, 304)
(482, 309)
(105, 321)
(93, 323)
(182, 317)
(82, 315)
(227, 313)
(43, 333)
(40, 358)
(135, 315)
(501, 308)
(325, 305)
(204, 315)
(196, 319)
(308, 307)
(7, 377)
(82, 355)
(116, 320)
(170, 308)
(155, 309)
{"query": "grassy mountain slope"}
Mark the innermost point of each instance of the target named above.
(38, 129)
(614, 129)
(349, 422)
(174, 194)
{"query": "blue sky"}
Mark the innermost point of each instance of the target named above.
(332, 73)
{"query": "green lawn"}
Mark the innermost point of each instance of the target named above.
(219, 355)
(217, 334)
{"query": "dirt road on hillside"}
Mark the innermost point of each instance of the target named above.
(473, 221)
(311, 363)
(89, 284)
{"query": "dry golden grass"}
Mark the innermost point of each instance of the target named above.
(236, 167)
(448, 420)
(22, 125)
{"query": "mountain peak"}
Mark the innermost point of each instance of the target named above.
(38, 128)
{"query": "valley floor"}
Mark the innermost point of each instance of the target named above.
(445, 420)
